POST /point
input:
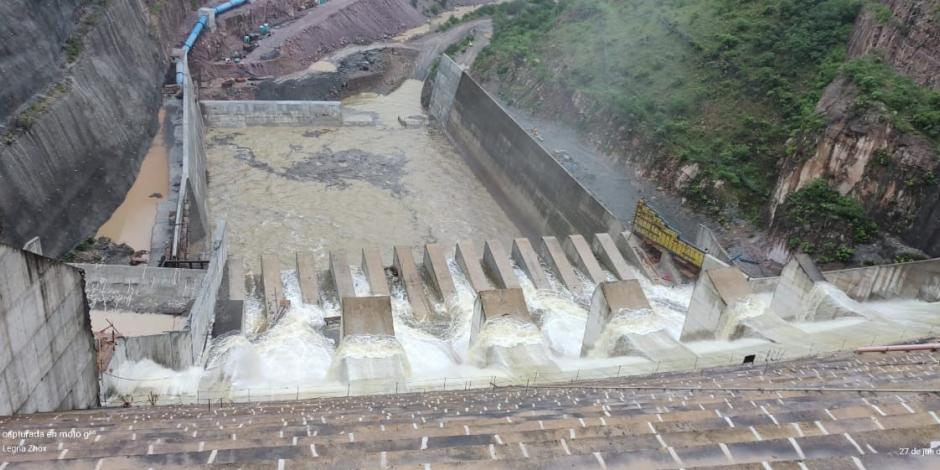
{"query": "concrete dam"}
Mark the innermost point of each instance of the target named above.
(415, 240)
(373, 245)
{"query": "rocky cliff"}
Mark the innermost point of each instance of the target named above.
(81, 87)
(906, 33)
(892, 172)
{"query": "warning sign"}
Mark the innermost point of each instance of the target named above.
(649, 225)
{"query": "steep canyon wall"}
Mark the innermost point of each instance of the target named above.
(81, 89)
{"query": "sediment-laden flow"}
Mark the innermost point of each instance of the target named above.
(283, 190)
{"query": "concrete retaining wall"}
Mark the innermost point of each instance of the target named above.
(47, 352)
(180, 349)
(917, 279)
(192, 210)
(141, 288)
(536, 191)
(272, 113)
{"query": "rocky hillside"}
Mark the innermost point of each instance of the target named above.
(738, 106)
(81, 87)
(879, 144)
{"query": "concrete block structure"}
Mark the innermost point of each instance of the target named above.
(407, 270)
(716, 292)
(367, 316)
(524, 256)
(236, 114)
(506, 307)
(143, 289)
(497, 266)
(796, 282)
(369, 320)
(611, 299)
(47, 351)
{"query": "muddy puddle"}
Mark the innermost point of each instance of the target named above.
(283, 190)
(132, 222)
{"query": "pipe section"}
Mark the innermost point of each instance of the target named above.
(197, 31)
(229, 5)
(899, 347)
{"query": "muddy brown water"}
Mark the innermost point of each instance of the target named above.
(132, 222)
(282, 190)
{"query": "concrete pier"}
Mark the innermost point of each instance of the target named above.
(367, 322)
(435, 263)
(606, 249)
(506, 305)
(374, 271)
(230, 307)
(274, 301)
(796, 281)
(636, 256)
(497, 265)
(578, 250)
(715, 294)
(469, 262)
(610, 299)
(524, 256)
(307, 277)
(367, 316)
(410, 277)
(555, 255)
(342, 276)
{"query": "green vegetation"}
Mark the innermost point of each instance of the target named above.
(459, 47)
(720, 83)
(89, 16)
(912, 108)
(826, 224)
(25, 119)
(156, 6)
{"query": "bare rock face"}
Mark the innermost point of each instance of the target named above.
(909, 40)
(893, 174)
(78, 108)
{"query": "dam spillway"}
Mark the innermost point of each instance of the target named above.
(373, 197)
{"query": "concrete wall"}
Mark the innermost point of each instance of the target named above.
(192, 211)
(180, 349)
(47, 352)
(795, 282)
(202, 313)
(141, 288)
(715, 291)
(707, 241)
(534, 189)
(272, 113)
(917, 279)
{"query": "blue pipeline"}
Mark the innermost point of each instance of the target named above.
(197, 30)
(229, 5)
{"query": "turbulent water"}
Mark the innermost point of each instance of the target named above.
(284, 189)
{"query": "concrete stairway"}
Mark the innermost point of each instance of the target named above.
(837, 412)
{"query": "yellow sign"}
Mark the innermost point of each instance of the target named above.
(649, 225)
